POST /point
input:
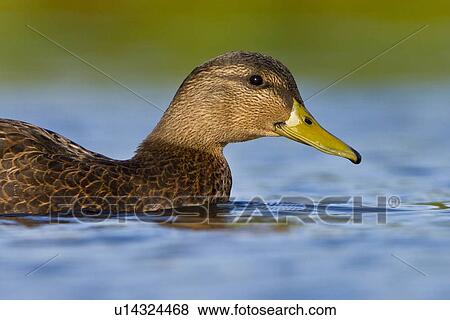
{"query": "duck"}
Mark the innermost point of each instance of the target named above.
(235, 97)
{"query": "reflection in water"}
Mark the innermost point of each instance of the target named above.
(437, 205)
(246, 249)
(278, 216)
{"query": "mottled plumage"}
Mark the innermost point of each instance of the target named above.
(43, 172)
(180, 163)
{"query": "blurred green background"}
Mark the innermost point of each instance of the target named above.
(161, 41)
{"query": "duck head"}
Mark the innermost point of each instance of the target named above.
(241, 96)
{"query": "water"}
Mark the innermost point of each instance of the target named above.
(402, 133)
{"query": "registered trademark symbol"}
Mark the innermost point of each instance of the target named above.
(394, 201)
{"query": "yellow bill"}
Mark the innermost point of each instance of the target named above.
(302, 127)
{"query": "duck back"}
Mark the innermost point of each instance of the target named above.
(42, 172)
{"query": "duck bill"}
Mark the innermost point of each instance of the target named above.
(302, 127)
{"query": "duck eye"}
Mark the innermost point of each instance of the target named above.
(256, 80)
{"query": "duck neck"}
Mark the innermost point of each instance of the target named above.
(185, 126)
(175, 140)
(155, 143)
